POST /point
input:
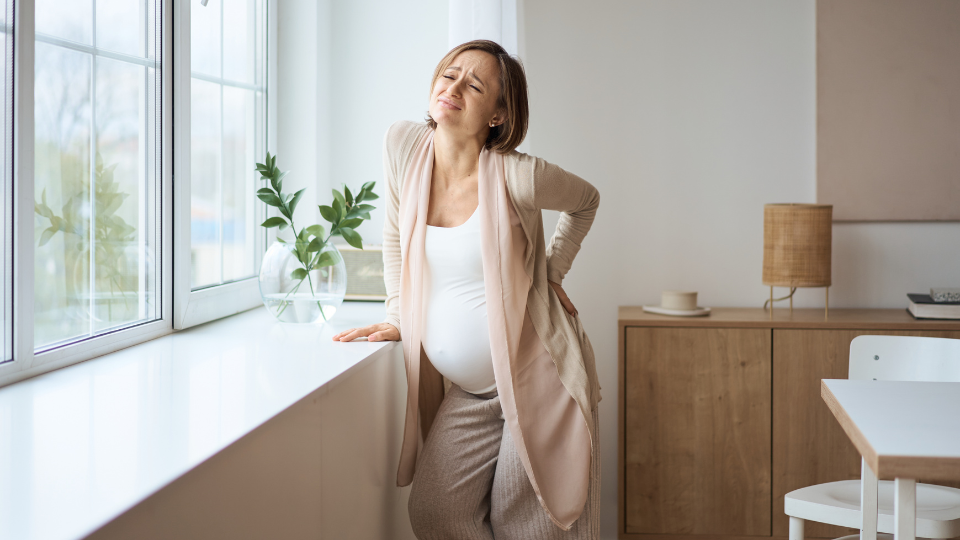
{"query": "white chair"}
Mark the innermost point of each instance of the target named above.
(885, 358)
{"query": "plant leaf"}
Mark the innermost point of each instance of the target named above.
(361, 209)
(292, 205)
(43, 210)
(316, 230)
(347, 195)
(269, 197)
(325, 259)
(328, 214)
(114, 203)
(302, 254)
(275, 222)
(299, 274)
(337, 196)
(364, 207)
(351, 223)
(278, 180)
(352, 237)
(315, 245)
(365, 192)
(371, 196)
(47, 235)
(339, 209)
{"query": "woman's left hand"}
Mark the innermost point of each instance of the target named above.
(567, 304)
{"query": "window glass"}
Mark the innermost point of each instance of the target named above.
(120, 26)
(65, 19)
(205, 37)
(205, 182)
(239, 41)
(97, 168)
(228, 136)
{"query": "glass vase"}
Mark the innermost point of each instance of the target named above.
(294, 295)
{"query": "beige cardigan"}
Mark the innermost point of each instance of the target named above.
(543, 360)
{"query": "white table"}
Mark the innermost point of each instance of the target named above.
(904, 431)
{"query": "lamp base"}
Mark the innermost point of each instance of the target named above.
(826, 307)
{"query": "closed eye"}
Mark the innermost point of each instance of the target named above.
(471, 86)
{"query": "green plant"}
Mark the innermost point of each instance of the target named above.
(345, 214)
(111, 232)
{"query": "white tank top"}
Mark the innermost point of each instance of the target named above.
(455, 334)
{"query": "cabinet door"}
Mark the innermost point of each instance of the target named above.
(697, 431)
(809, 446)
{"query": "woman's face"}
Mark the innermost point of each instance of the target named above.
(465, 95)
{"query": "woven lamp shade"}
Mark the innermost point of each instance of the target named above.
(797, 241)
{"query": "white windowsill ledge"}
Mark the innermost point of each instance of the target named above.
(83, 444)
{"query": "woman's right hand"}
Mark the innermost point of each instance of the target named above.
(373, 332)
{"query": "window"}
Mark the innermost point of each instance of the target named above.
(97, 143)
(227, 133)
(100, 251)
(227, 136)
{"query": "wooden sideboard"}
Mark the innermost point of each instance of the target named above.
(720, 416)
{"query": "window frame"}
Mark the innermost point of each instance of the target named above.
(193, 307)
(26, 363)
(179, 306)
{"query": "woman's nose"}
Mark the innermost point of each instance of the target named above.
(455, 89)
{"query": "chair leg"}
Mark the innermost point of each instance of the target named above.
(905, 504)
(796, 528)
(868, 502)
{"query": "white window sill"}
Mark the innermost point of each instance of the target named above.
(83, 444)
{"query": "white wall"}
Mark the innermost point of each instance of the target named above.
(346, 71)
(688, 116)
(382, 56)
(300, 126)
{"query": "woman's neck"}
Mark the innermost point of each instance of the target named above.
(455, 157)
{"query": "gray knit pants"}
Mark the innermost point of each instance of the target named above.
(470, 484)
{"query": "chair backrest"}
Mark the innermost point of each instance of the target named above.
(905, 358)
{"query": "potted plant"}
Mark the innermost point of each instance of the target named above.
(304, 280)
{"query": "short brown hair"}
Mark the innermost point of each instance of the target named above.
(513, 94)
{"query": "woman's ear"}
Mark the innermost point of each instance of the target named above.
(498, 119)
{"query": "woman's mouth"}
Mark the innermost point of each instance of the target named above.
(448, 104)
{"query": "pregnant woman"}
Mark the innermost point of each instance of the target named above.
(511, 448)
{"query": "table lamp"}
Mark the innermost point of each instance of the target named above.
(797, 240)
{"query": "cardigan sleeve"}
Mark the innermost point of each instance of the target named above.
(391, 229)
(577, 200)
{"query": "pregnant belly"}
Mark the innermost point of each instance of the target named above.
(456, 339)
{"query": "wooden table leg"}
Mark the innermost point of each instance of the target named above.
(868, 502)
(905, 509)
